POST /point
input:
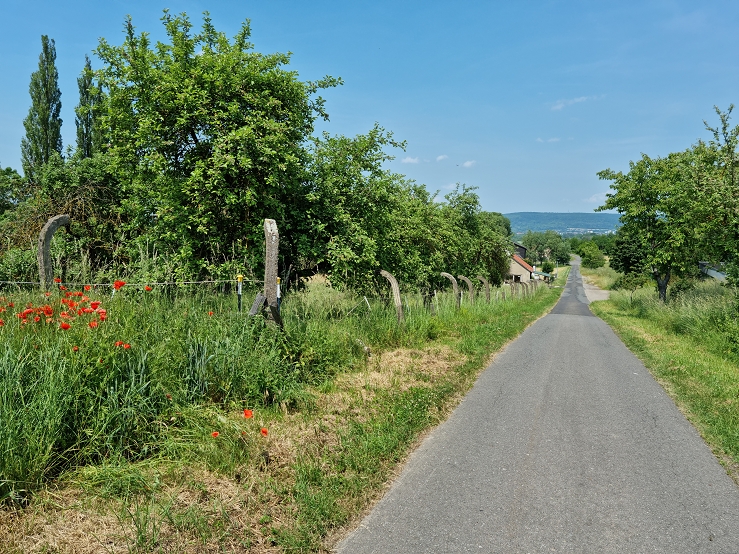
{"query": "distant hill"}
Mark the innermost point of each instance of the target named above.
(563, 223)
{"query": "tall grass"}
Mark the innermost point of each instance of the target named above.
(708, 312)
(158, 364)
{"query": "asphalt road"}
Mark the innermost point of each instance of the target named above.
(565, 444)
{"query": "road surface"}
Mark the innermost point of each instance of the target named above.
(565, 444)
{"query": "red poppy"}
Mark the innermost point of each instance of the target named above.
(118, 285)
(62, 287)
(119, 343)
(95, 304)
(147, 288)
(2, 323)
(37, 319)
(75, 348)
(57, 279)
(127, 346)
(214, 434)
(248, 414)
(93, 324)
(210, 313)
(65, 325)
(11, 305)
(264, 431)
(48, 311)
(87, 287)
(47, 294)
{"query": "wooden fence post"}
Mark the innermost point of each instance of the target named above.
(470, 287)
(396, 294)
(486, 284)
(45, 271)
(454, 286)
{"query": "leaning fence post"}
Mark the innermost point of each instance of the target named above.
(45, 271)
(470, 287)
(454, 286)
(396, 294)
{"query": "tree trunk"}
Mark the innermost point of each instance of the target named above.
(662, 280)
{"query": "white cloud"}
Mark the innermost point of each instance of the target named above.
(539, 139)
(450, 186)
(598, 198)
(554, 139)
(469, 163)
(560, 104)
(409, 160)
(442, 157)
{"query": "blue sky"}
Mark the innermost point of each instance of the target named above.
(525, 100)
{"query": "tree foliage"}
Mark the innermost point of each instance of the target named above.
(546, 246)
(652, 199)
(184, 147)
(88, 113)
(208, 137)
(592, 257)
(42, 124)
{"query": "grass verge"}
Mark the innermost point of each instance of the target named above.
(692, 353)
(602, 277)
(293, 477)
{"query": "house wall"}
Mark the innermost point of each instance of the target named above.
(519, 273)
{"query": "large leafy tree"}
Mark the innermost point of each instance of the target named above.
(653, 198)
(88, 112)
(546, 246)
(42, 124)
(715, 199)
(10, 184)
(209, 139)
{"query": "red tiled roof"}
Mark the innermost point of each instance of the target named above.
(519, 260)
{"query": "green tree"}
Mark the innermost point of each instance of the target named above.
(627, 254)
(654, 200)
(715, 198)
(350, 206)
(10, 185)
(87, 113)
(546, 246)
(43, 125)
(592, 257)
(208, 137)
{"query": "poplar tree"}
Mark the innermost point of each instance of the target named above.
(43, 124)
(87, 114)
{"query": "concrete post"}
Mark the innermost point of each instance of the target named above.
(45, 271)
(454, 286)
(272, 246)
(486, 284)
(470, 287)
(396, 294)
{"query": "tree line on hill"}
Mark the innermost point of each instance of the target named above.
(184, 148)
(679, 209)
